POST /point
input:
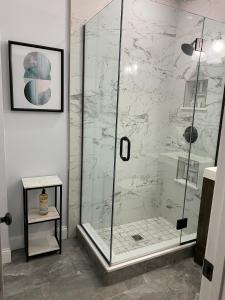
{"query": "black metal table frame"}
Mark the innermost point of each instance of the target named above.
(26, 223)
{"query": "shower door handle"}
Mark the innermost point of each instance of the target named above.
(122, 140)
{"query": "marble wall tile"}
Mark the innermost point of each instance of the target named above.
(147, 45)
(207, 122)
(100, 103)
(81, 12)
(153, 75)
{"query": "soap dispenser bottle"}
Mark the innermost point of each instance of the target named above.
(43, 203)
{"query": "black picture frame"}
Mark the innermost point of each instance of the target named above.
(61, 51)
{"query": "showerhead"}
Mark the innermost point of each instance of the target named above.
(196, 46)
(188, 49)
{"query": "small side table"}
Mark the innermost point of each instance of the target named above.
(50, 243)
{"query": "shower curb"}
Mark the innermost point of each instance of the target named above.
(126, 270)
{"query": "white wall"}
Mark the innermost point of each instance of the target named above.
(213, 9)
(36, 143)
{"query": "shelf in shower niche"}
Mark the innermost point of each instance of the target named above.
(183, 182)
(35, 217)
(42, 245)
(191, 109)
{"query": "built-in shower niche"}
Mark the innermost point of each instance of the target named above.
(190, 96)
(190, 172)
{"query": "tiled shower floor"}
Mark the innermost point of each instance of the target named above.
(139, 234)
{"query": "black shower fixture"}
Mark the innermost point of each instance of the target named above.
(190, 134)
(188, 49)
(196, 45)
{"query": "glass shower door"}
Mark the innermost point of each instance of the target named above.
(155, 114)
(209, 101)
(101, 62)
(152, 98)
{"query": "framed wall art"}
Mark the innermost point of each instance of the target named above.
(36, 77)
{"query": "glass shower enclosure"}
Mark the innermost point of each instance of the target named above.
(153, 86)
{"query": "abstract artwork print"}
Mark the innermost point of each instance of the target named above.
(37, 78)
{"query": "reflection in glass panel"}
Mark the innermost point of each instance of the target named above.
(102, 35)
(204, 149)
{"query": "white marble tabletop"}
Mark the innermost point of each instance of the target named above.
(39, 182)
(210, 173)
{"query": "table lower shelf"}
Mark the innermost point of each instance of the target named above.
(42, 245)
(35, 217)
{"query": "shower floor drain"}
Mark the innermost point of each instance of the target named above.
(137, 237)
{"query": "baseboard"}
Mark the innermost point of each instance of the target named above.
(6, 255)
(17, 242)
(64, 232)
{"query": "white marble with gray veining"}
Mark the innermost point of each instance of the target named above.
(153, 72)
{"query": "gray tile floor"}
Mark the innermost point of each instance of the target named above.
(71, 276)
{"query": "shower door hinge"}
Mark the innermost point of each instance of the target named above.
(199, 45)
(182, 223)
(207, 270)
